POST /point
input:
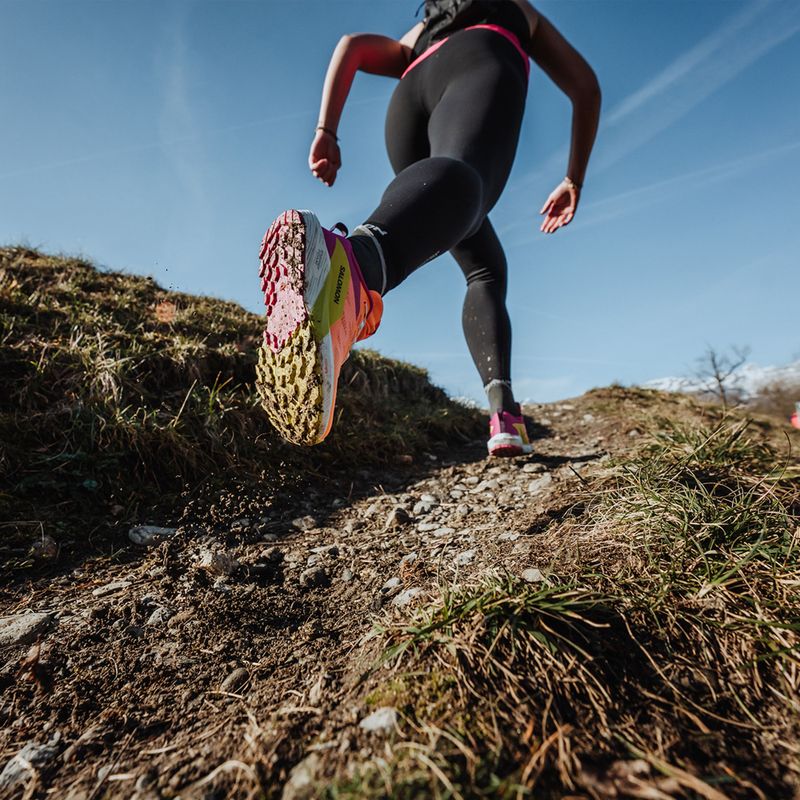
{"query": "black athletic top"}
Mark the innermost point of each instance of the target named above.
(505, 13)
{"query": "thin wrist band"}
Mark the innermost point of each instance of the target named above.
(328, 131)
(572, 184)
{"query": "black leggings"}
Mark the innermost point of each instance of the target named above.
(451, 132)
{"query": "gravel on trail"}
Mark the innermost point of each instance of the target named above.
(219, 640)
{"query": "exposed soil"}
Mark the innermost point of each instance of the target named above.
(212, 663)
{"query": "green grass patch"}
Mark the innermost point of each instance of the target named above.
(670, 668)
(117, 395)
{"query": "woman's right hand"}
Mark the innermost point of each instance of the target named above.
(325, 159)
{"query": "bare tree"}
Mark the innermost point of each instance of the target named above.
(717, 371)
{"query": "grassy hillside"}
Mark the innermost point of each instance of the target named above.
(117, 394)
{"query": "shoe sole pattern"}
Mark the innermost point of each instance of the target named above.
(289, 373)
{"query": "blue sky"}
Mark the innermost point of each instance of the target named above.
(162, 138)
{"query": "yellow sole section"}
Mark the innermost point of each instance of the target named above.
(289, 385)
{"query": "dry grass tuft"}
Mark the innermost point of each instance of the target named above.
(668, 670)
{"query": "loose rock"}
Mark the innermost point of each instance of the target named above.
(406, 596)
(235, 680)
(533, 575)
(32, 757)
(304, 523)
(382, 720)
(220, 564)
(314, 577)
(23, 628)
(398, 517)
(467, 557)
(540, 484)
(146, 535)
(111, 588)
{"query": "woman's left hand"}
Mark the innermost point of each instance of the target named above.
(560, 207)
(324, 159)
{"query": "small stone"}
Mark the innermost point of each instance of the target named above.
(45, 549)
(330, 550)
(429, 498)
(533, 468)
(533, 575)
(540, 484)
(23, 628)
(486, 486)
(472, 480)
(304, 523)
(147, 535)
(314, 577)
(545, 421)
(382, 720)
(409, 559)
(398, 517)
(406, 596)
(28, 761)
(588, 418)
(220, 564)
(456, 494)
(508, 536)
(633, 432)
(347, 575)
(302, 779)
(353, 525)
(462, 509)
(110, 588)
(425, 527)
(159, 617)
(444, 531)
(464, 558)
(372, 510)
(423, 507)
(235, 680)
(392, 583)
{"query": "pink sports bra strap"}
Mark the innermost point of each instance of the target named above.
(496, 28)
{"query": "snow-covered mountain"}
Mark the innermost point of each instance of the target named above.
(745, 381)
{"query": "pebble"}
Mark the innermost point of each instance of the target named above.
(472, 480)
(429, 498)
(304, 523)
(235, 680)
(462, 509)
(533, 575)
(540, 484)
(23, 628)
(406, 596)
(456, 494)
(409, 559)
(398, 517)
(588, 418)
(110, 588)
(382, 720)
(45, 549)
(159, 617)
(347, 575)
(392, 583)
(508, 536)
(425, 527)
(314, 577)
(423, 507)
(302, 779)
(444, 531)
(146, 535)
(464, 558)
(28, 762)
(486, 486)
(533, 468)
(220, 564)
(353, 525)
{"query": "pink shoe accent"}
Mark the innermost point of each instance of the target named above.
(507, 435)
(282, 283)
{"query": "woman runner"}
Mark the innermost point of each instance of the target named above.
(451, 132)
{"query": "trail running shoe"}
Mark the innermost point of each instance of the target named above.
(508, 436)
(317, 307)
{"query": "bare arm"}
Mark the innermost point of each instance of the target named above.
(565, 66)
(377, 55)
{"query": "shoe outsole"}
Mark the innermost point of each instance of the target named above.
(289, 377)
(507, 445)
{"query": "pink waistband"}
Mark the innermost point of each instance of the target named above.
(496, 28)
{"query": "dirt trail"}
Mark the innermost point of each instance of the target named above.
(217, 660)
